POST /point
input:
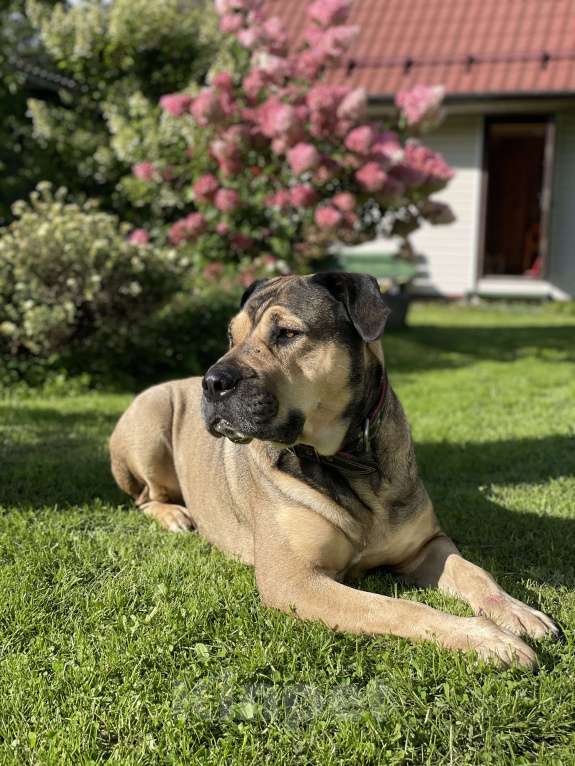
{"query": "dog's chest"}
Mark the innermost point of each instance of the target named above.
(392, 538)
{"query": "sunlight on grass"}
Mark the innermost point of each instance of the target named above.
(124, 644)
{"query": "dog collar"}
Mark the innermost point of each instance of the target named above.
(358, 460)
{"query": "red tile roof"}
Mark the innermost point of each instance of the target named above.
(487, 47)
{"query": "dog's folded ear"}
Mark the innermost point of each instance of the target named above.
(249, 291)
(362, 298)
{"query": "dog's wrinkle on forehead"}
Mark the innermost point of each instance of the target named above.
(240, 326)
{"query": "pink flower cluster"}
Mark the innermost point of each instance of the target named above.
(422, 167)
(139, 237)
(144, 171)
(279, 132)
(187, 229)
(421, 105)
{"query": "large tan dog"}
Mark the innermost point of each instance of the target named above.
(317, 479)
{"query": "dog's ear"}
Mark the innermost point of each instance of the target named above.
(362, 298)
(248, 292)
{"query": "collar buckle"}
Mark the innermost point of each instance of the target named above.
(366, 435)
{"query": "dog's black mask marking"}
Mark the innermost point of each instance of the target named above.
(335, 307)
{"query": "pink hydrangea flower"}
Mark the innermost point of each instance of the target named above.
(307, 65)
(187, 228)
(360, 139)
(336, 41)
(206, 107)
(249, 37)
(281, 199)
(387, 148)
(223, 228)
(327, 217)
(303, 195)
(275, 68)
(354, 105)
(139, 237)
(421, 105)
(230, 167)
(280, 145)
(223, 81)
(227, 200)
(228, 146)
(231, 23)
(145, 171)
(303, 157)
(195, 224)
(324, 98)
(253, 83)
(422, 166)
(275, 117)
(328, 170)
(175, 103)
(329, 12)
(274, 36)
(344, 201)
(371, 176)
(205, 187)
(313, 35)
(177, 233)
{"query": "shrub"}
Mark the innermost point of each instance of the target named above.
(70, 279)
(183, 338)
(281, 163)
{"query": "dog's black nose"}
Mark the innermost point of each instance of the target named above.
(219, 381)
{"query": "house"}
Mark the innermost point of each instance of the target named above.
(508, 67)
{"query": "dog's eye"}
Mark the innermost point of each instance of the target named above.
(287, 334)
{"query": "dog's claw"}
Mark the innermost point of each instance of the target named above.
(518, 618)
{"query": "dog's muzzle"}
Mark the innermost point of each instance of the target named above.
(235, 405)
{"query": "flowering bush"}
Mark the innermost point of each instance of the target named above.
(282, 163)
(69, 276)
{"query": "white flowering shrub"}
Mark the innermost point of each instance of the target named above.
(70, 278)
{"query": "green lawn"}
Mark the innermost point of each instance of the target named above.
(124, 644)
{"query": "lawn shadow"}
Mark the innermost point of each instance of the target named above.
(429, 347)
(54, 458)
(511, 544)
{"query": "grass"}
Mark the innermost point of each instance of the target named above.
(123, 644)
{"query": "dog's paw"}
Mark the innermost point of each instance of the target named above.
(177, 519)
(174, 518)
(517, 617)
(492, 643)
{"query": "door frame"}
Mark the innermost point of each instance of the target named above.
(549, 118)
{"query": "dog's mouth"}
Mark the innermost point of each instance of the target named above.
(223, 428)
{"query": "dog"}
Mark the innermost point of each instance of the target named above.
(293, 454)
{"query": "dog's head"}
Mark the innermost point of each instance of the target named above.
(301, 349)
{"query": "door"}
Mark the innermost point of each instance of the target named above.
(518, 165)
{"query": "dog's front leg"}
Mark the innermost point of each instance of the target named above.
(439, 564)
(290, 579)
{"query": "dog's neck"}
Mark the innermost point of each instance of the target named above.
(367, 411)
(356, 453)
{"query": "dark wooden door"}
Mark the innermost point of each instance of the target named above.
(515, 168)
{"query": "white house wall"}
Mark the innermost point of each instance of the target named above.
(450, 252)
(562, 234)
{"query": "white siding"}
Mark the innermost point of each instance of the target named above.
(451, 251)
(562, 234)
